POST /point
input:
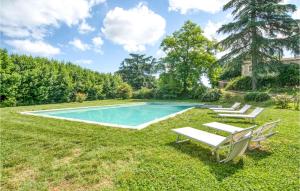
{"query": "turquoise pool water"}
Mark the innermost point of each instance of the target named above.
(135, 116)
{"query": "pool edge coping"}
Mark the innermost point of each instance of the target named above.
(137, 127)
(70, 108)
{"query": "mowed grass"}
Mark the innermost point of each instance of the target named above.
(49, 154)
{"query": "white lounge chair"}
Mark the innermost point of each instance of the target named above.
(232, 108)
(223, 127)
(260, 134)
(251, 115)
(241, 111)
(237, 142)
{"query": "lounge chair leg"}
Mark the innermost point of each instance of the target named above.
(180, 141)
(218, 156)
(222, 119)
(178, 138)
(258, 145)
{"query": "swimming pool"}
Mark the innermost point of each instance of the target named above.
(134, 116)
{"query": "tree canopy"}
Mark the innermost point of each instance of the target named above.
(260, 31)
(189, 54)
(138, 71)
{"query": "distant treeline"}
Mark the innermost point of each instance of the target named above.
(29, 80)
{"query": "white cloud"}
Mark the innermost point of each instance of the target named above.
(160, 53)
(205, 81)
(184, 6)
(285, 1)
(28, 18)
(222, 53)
(296, 14)
(95, 2)
(133, 28)
(210, 30)
(83, 61)
(15, 31)
(85, 28)
(33, 47)
(77, 43)
(97, 42)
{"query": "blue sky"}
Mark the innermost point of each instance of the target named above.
(99, 34)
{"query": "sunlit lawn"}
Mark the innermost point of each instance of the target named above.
(50, 154)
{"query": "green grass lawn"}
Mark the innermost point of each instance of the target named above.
(49, 154)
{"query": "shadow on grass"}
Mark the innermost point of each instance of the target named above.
(220, 170)
(211, 113)
(258, 154)
(202, 108)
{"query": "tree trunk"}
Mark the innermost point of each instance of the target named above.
(253, 75)
(254, 49)
(184, 92)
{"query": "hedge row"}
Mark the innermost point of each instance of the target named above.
(27, 80)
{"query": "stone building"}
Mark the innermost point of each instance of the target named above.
(247, 67)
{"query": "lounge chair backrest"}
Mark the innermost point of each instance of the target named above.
(245, 108)
(238, 148)
(256, 111)
(240, 134)
(235, 105)
(265, 131)
(234, 137)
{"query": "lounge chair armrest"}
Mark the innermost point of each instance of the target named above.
(262, 138)
(223, 146)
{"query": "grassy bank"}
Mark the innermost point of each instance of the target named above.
(50, 154)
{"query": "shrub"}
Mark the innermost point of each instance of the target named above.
(143, 93)
(240, 83)
(124, 91)
(168, 87)
(267, 82)
(289, 74)
(262, 97)
(227, 96)
(230, 73)
(9, 102)
(296, 100)
(250, 96)
(95, 92)
(198, 91)
(80, 97)
(211, 95)
(231, 70)
(166, 95)
(282, 101)
(257, 96)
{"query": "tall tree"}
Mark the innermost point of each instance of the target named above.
(189, 54)
(9, 80)
(260, 31)
(138, 70)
